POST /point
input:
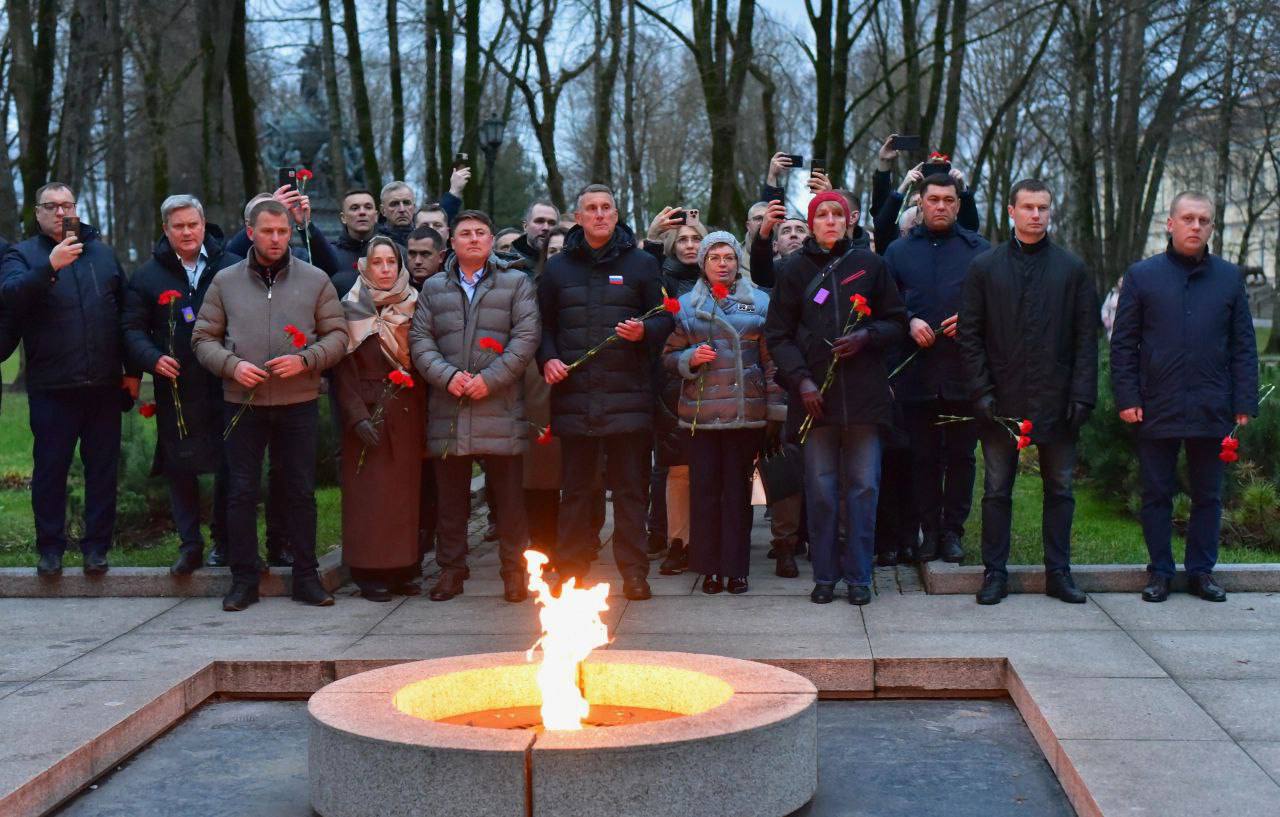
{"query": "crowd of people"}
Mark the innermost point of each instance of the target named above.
(572, 361)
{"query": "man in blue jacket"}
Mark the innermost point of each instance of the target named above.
(66, 291)
(929, 266)
(1184, 367)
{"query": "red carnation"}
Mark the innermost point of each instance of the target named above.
(169, 296)
(860, 305)
(671, 305)
(401, 378)
(290, 329)
(719, 291)
(545, 437)
(1228, 455)
(298, 339)
(1230, 443)
(304, 175)
(490, 345)
(147, 410)
(939, 157)
(1023, 442)
(1024, 427)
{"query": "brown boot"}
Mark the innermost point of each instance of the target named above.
(446, 587)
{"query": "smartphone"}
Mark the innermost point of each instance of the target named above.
(680, 216)
(931, 168)
(693, 215)
(817, 166)
(796, 159)
(905, 143)
(71, 227)
(461, 160)
(286, 176)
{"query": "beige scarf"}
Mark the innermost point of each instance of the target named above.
(384, 312)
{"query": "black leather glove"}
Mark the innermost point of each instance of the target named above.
(368, 433)
(985, 408)
(852, 343)
(1078, 415)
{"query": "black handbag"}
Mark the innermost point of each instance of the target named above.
(782, 472)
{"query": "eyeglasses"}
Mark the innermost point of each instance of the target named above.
(722, 259)
(55, 206)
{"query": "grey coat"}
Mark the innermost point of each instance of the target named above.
(738, 387)
(444, 340)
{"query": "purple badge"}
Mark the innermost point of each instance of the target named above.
(188, 314)
(821, 296)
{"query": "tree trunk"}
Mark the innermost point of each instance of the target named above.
(823, 60)
(360, 98)
(434, 181)
(444, 119)
(910, 37)
(606, 76)
(242, 106)
(1226, 112)
(33, 32)
(213, 21)
(85, 59)
(471, 88)
(635, 158)
(1273, 341)
(116, 164)
(329, 62)
(951, 112)
(936, 71)
(397, 91)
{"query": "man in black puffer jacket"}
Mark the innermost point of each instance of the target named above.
(66, 292)
(1029, 347)
(599, 285)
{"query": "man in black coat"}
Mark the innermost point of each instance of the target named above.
(602, 284)
(157, 337)
(66, 291)
(1184, 367)
(539, 219)
(929, 266)
(811, 324)
(359, 217)
(1028, 341)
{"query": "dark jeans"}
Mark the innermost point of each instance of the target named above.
(842, 463)
(184, 501)
(504, 477)
(276, 509)
(896, 523)
(428, 510)
(720, 462)
(1157, 463)
(1057, 464)
(657, 522)
(942, 465)
(289, 434)
(627, 469)
(542, 510)
(59, 419)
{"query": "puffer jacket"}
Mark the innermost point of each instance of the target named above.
(670, 443)
(582, 295)
(445, 340)
(737, 389)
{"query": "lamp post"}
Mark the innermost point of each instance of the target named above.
(491, 132)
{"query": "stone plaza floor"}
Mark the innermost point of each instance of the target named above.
(1140, 709)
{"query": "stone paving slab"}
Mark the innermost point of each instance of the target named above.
(271, 616)
(943, 578)
(1241, 611)
(418, 647)
(1121, 709)
(923, 613)
(724, 614)
(1221, 654)
(469, 615)
(78, 618)
(1266, 753)
(1247, 710)
(1079, 654)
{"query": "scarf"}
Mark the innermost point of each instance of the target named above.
(384, 312)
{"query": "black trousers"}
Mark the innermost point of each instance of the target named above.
(942, 465)
(542, 510)
(184, 502)
(428, 510)
(720, 463)
(288, 434)
(627, 469)
(504, 477)
(1057, 467)
(895, 520)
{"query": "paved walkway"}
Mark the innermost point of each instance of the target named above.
(1169, 709)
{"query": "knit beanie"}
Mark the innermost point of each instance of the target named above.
(828, 195)
(719, 237)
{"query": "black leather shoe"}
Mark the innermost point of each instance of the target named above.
(446, 587)
(995, 586)
(786, 566)
(886, 558)
(375, 591)
(280, 558)
(928, 550)
(711, 585)
(1157, 588)
(239, 597)
(95, 564)
(908, 551)
(822, 594)
(311, 591)
(217, 557)
(50, 565)
(859, 595)
(1060, 585)
(1203, 585)
(656, 547)
(636, 588)
(772, 554)
(406, 589)
(515, 588)
(950, 549)
(189, 562)
(677, 560)
(737, 585)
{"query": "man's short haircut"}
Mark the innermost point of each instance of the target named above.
(419, 233)
(940, 180)
(356, 191)
(855, 203)
(760, 206)
(251, 203)
(1190, 195)
(1028, 186)
(433, 206)
(507, 231)
(472, 215)
(266, 206)
(179, 202)
(391, 186)
(597, 188)
(528, 213)
(54, 186)
(789, 219)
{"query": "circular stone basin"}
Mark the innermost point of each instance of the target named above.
(668, 734)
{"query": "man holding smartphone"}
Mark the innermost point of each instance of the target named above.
(65, 289)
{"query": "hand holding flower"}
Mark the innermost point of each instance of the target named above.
(704, 353)
(631, 329)
(168, 367)
(286, 365)
(248, 375)
(476, 389)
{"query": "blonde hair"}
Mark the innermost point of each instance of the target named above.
(670, 236)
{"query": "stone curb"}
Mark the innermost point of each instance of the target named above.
(22, 582)
(941, 578)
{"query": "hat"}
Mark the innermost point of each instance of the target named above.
(829, 195)
(718, 237)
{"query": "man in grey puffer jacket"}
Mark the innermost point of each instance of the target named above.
(474, 333)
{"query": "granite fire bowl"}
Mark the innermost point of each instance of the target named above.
(735, 738)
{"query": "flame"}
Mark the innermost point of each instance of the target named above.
(571, 629)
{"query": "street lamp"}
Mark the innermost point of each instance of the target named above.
(491, 132)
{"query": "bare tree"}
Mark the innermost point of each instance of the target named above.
(360, 98)
(33, 30)
(329, 65)
(397, 91)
